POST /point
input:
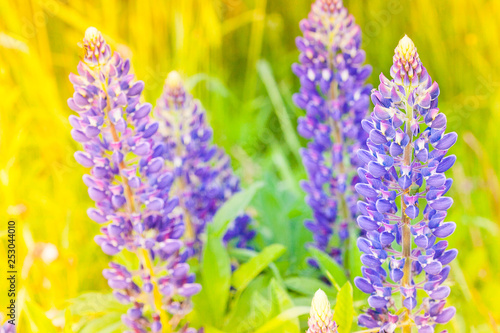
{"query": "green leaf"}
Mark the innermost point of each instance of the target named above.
(354, 255)
(216, 277)
(277, 322)
(95, 303)
(344, 309)
(290, 134)
(333, 271)
(242, 315)
(281, 301)
(109, 323)
(308, 286)
(249, 270)
(232, 208)
(37, 318)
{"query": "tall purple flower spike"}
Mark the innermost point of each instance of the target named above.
(203, 177)
(403, 173)
(130, 186)
(335, 97)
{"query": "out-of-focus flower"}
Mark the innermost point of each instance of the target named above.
(7, 328)
(48, 252)
(404, 171)
(130, 185)
(335, 97)
(203, 177)
(321, 316)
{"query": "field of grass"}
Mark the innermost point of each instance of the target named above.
(236, 55)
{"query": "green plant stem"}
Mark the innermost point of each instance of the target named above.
(142, 254)
(405, 220)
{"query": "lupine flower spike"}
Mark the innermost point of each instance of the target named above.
(321, 316)
(130, 187)
(404, 209)
(203, 177)
(335, 97)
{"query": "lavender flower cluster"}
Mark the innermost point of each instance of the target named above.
(405, 206)
(335, 97)
(203, 177)
(130, 185)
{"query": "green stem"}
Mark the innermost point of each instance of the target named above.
(337, 138)
(405, 219)
(143, 255)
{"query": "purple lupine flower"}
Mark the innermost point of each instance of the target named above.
(130, 185)
(404, 186)
(203, 177)
(335, 97)
(8, 328)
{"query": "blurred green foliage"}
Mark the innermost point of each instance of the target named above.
(237, 55)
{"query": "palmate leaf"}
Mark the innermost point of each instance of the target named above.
(344, 309)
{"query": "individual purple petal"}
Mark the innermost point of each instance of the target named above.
(366, 190)
(440, 293)
(367, 321)
(447, 141)
(370, 261)
(96, 215)
(446, 315)
(377, 137)
(364, 285)
(85, 159)
(445, 230)
(396, 275)
(189, 289)
(411, 211)
(366, 223)
(79, 136)
(446, 163)
(448, 256)
(433, 268)
(377, 302)
(410, 303)
(109, 249)
(443, 203)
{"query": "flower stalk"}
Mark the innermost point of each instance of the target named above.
(203, 177)
(335, 97)
(131, 187)
(405, 163)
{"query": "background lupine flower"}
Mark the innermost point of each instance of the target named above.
(130, 186)
(334, 94)
(7, 328)
(404, 186)
(203, 177)
(321, 316)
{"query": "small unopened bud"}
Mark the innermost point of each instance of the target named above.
(321, 316)
(97, 52)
